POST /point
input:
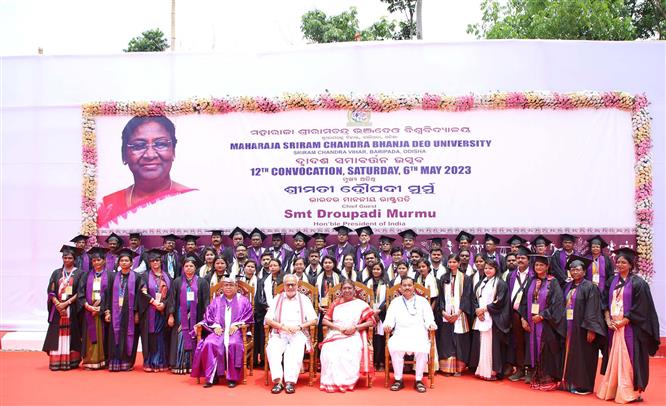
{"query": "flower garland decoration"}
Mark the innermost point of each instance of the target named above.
(635, 104)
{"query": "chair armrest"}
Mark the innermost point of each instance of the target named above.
(198, 328)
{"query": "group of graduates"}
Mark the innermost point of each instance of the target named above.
(526, 315)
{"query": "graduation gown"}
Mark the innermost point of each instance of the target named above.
(176, 265)
(499, 258)
(154, 329)
(543, 349)
(359, 253)
(642, 333)
(88, 322)
(123, 334)
(500, 313)
(339, 253)
(558, 263)
(449, 343)
(53, 331)
(580, 356)
(177, 297)
(605, 271)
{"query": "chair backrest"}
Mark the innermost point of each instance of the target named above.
(394, 291)
(362, 292)
(244, 289)
(304, 288)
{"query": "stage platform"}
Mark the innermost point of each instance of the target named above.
(26, 380)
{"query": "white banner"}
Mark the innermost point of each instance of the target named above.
(511, 169)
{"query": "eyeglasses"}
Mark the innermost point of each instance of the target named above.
(289, 285)
(141, 147)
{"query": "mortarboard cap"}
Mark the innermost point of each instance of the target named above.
(409, 233)
(258, 232)
(238, 230)
(190, 237)
(522, 250)
(319, 236)
(464, 236)
(116, 237)
(627, 253)
(134, 235)
(344, 230)
(386, 238)
(194, 258)
(575, 260)
(489, 237)
(567, 237)
(126, 252)
(154, 253)
(302, 236)
(540, 239)
(79, 238)
(97, 252)
(277, 236)
(544, 259)
(216, 232)
(516, 239)
(598, 240)
(69, 250)
(436, 240)
(170, 237)
(364, 229)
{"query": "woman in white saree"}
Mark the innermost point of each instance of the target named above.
(345, 352)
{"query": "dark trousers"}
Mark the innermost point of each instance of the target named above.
(518, 339)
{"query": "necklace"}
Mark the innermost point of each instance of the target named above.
(131, 196)
(407, 307)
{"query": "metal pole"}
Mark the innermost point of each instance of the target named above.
(173, 25)
(419, 20)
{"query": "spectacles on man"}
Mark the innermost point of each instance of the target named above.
(289, 285)
(141, 147)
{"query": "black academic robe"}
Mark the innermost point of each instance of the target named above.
(450, 344)
(117, 350)
(339, 253)
(148, 340)
(553, 330)
(81, 299)
(645, 324)
(580, 356)
(557, 269)
(53, 331)
(499, 258)
(173, 308)
(177, 266)
(500, 312)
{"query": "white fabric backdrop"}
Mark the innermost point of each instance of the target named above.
(41, 118)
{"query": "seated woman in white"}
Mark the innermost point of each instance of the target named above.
(344, 351)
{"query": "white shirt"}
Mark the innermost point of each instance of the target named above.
(410, 320)
(521, 277)
(291, 310)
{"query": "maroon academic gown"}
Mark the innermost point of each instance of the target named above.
(210, 356)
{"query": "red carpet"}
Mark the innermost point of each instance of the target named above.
(26, 380)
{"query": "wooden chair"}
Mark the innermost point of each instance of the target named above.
(367, 295)
(392, 293)
(246, 290)
(311, 292)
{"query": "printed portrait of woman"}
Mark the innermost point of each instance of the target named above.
(149, 150)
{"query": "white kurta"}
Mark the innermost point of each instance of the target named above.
(410, 320)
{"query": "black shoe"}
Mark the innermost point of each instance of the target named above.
(277, 388)
(208, 384)
(231, 384)
(289, 388)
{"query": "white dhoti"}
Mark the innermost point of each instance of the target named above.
(292, 347)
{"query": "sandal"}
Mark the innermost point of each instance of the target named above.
(290, 388)
(277, 388)
(419, 386)
(397, 385)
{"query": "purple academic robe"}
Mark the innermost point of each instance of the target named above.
(210, 356)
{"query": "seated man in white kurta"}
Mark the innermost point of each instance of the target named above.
(290, 316)
(409, 317)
